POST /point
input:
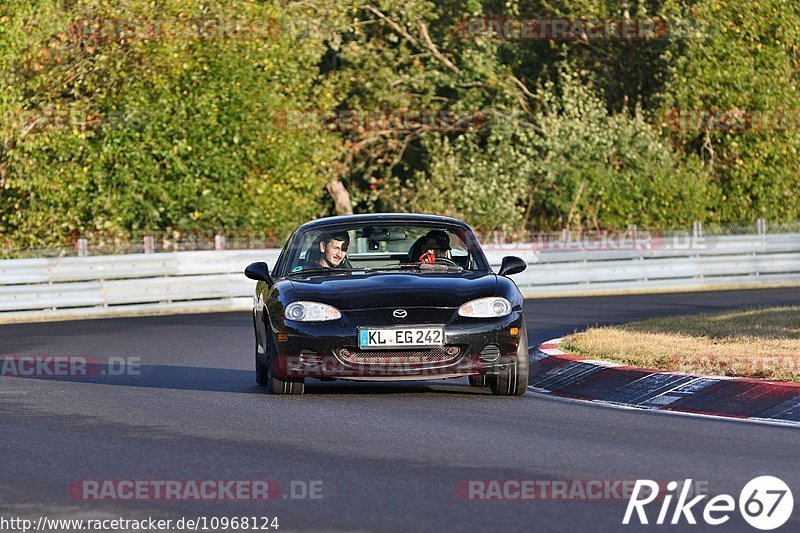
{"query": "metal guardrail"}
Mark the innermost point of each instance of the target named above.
(127, 284)
(212, 280)
(673, 263)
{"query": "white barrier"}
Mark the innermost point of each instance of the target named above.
(125, 284)
(214, 280)
(663, 264)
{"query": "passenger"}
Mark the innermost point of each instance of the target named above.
(434, 244)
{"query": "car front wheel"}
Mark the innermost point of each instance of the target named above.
(513, 381)
(261, 368)
(261, 372)
(275, 384)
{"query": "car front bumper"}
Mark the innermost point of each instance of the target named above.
(330, 350)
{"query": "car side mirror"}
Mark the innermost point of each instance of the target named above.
(512, 265)
(259, 272)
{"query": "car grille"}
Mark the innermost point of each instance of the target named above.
(399, 357)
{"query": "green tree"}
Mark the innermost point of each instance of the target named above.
(746, 69)
(141, 133)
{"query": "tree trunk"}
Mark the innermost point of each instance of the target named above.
(341, 198)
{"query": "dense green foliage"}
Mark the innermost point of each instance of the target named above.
(221, 123)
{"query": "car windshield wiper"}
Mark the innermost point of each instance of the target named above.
(320, 271)
(403, 266)
(422, 267)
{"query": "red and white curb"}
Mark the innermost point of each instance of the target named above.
(559, 373)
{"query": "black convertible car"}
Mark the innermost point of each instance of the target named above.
(388, 297)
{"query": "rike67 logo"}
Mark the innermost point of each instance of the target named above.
(765, 503)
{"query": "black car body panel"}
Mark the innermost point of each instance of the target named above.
(396, 289)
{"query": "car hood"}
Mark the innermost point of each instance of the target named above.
(395, 289)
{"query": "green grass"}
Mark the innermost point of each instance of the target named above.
(757, 343)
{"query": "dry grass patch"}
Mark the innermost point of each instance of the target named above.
(758, 343)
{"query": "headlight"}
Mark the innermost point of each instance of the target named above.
(486, 308)
(310, 312)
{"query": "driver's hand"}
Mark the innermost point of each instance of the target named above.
(428, 257)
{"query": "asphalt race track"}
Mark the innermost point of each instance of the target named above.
(389, 456)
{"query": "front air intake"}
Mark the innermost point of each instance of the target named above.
(490, 353)
(310, 357)
(446, 354)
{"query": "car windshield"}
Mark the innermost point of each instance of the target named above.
(371, 247)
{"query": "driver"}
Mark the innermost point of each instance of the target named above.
(435, 244)
(332, 249)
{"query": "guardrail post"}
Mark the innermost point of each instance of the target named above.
(633, 235)
(697, 229)
(565, 238)
(762, 226)
(697, 240)
(149, 245)
(83, 247)
(219, 242)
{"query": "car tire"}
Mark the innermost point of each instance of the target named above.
(513, 381)
(279, 385)
(261, 367)
(479, 380)
(261, 372)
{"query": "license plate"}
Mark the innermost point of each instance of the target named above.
(419, 337)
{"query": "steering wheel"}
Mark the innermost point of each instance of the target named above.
(446, 261)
